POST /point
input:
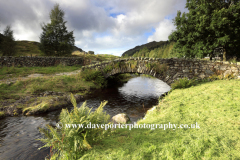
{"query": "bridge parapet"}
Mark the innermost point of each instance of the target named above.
(167, 70)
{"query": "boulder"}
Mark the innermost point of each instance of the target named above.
(121, 118)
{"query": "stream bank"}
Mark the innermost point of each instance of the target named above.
(49, 100)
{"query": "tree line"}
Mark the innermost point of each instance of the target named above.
(209, 26)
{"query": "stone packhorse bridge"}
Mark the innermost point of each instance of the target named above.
(167, 70)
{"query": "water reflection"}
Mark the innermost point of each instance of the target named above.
(133, 98)
(143, 88)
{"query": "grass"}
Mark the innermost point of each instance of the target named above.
(31, 48)
(11, 72)
(28, 48)
(78, 84)
(159, 68)
(2, 114)
(65, 84)
(148, 76)
(183, 83)
(213, 105)
(42, 104)
(90, 58)
(73, 83)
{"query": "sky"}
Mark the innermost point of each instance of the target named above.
(102, 26)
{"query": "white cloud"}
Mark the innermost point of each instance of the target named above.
(163, 30)
(120, 18)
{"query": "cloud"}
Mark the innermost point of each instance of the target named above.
(104, 26)
(163, 30)
(24, 17)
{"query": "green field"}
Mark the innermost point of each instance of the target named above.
(213, 105)
(11, 72)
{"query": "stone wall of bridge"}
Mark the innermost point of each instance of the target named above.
(172, 69)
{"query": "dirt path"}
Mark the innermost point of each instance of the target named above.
(13, 80)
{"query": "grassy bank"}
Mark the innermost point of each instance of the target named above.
(11, 94)
(11, 72)
(37, 85)
(79, 84)
(214, 106)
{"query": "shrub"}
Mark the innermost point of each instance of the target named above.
(2, 114)
(221, 77)
(95, 76)
(70, 143)
(133, 64)
(183, 83)
(108, 69)
(120, 65)
(159, 68)
(233, 60)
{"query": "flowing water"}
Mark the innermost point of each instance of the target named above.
(18, 134)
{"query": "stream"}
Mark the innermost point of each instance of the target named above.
(18, 134)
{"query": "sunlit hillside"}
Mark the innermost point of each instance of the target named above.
(31, 48)
(162, 51)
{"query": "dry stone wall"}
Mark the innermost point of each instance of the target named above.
(39, 61)
(176, 68)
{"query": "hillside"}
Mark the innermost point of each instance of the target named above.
(31, 48)
(26, 48)
(150, 46)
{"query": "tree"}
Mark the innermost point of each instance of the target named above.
(226, 25)
(55, 40)
(1, 39)
(8, 44)
(210, 24)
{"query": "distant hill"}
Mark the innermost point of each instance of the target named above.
(75, 48)
(28, 48)
(150, 46)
